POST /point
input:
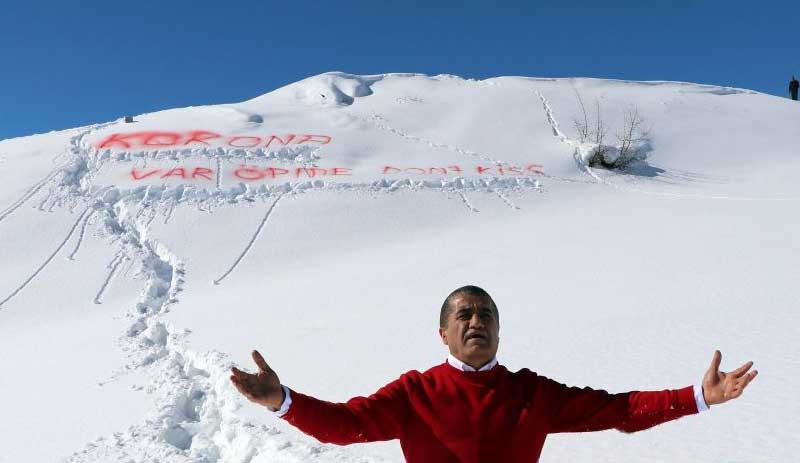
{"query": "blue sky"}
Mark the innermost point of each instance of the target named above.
(66, 64)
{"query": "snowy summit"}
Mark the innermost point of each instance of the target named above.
(625, 230)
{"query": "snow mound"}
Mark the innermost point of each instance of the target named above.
(146, 258)
(334, 89)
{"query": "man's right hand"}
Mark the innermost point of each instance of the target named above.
(263, 387)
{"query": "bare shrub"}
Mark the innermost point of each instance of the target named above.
(633, 138)
(599, 132)
(581, 125)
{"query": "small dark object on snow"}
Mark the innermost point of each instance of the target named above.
(793, 86)
(128, 119)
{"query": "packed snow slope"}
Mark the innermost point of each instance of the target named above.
(324, 223)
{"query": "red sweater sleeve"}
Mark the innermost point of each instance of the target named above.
(378, 417)
(574, 409)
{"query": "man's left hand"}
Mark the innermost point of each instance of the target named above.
(720, 387)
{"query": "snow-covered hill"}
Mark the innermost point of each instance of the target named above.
(323, 223)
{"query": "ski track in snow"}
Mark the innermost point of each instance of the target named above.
(114, 265)
(252, 241)
(29, 194)
(381, 123)
(576, 154)
(505, 199)
(169, 212)
(46, 262)
(467, 203)
(44, 200)
(218, 181)
(81, 234)
(65, 170)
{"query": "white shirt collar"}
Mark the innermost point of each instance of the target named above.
(456, 363)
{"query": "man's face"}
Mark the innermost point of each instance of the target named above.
(472, 330)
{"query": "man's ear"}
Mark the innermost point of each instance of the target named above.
(443, 335)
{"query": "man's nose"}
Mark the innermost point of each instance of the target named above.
(476, 321)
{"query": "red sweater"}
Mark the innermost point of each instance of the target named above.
(446, 415)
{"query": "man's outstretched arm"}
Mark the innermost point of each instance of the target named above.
(578, 410)
(361, 419)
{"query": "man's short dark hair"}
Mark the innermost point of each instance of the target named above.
(469, 290)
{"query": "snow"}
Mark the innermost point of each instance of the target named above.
(125, 300)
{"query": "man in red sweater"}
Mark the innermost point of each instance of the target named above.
(471, 409)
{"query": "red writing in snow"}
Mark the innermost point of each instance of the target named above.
(498, 170)
(253, 173)
(177, 172)
(244, 172)
(199, 138)
(259, 173)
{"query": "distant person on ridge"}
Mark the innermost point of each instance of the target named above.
(793, 86)
(472, 409)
